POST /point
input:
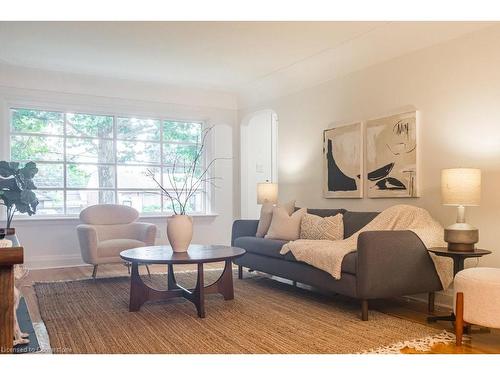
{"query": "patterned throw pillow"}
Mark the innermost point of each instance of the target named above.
(315, 227)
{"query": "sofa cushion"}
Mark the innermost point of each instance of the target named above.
(354, 221)
(325, 212)
(112, 248)
(263, 246)
(271, 248)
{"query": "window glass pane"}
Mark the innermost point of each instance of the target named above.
(77, 200)
(32, 147)
(179, 177)
(177, 131)
(146, 202)
(90, 176)
(179, 154)
(194, 205)
(49, 176)
(132, 177)
(138, 129)
(86, 150)
(51, 202)
(138, 152)
(89, 125)
(32, 121)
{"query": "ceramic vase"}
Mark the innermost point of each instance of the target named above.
(180, 232)
(8, 237)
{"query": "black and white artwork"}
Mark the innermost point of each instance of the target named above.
(391, 156)
(342, 162)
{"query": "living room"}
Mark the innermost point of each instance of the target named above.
(278, 186)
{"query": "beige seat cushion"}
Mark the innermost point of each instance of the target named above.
(266, 216)
(284, 226)
(314, 227)
(112, 248)
(481, 289)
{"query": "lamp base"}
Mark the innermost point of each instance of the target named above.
(461, 237)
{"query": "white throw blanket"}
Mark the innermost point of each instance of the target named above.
(328, 255)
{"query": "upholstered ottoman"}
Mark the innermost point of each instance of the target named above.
(477, 299)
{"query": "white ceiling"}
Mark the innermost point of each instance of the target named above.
(256, 60)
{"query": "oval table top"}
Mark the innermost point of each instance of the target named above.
(195, 254)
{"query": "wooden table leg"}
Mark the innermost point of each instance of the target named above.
(6, 308)
(138, 293)
(172, 283)
(459, 322)
(199, 292)
(430, 302)
(226, 282)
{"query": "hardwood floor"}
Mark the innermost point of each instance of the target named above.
(483, 341)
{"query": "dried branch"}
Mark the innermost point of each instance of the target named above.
(181, 194)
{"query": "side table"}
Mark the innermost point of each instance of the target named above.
(458, 265)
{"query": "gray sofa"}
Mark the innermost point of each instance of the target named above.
(386, 263)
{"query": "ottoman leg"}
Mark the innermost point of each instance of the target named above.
(459, 322)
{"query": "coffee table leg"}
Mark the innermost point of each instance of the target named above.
(226, 282)
(199, 292)
(138, 292)
(172, 283)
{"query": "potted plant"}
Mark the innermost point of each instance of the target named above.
(16, 191)
(185, 177)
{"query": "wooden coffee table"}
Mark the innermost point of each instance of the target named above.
(196, 254)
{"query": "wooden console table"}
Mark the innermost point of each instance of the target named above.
(9, 256)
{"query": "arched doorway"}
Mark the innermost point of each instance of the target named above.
(259, 150)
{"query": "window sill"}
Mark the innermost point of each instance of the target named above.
(76, 218)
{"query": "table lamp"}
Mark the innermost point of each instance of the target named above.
(267, 192)
(461, 187)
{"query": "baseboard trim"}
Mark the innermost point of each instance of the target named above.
(50, 261)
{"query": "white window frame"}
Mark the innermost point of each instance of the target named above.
(207, 190)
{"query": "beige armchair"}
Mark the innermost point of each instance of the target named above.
(109, 229)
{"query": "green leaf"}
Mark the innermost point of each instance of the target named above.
(27, 196)
(9, 184)
(5, 169)
(29, 170)
(23, 207)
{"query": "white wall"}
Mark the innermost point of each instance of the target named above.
(456, 88)
(51, 243)
(257, 157)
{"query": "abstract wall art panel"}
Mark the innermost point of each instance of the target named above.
(391, 156)
(343, 162)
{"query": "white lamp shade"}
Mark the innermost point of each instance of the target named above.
(267, 192)
(461, 186)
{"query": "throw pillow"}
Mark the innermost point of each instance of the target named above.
(266, 216)
(314, 227)
(285, 226)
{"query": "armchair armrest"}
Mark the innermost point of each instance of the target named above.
(393, 263)
(243, 228)
(87, 237)
(144, 232)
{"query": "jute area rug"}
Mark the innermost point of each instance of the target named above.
(266, 316)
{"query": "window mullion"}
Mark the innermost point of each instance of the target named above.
(161, 164)
(65, 166)
(115, 157)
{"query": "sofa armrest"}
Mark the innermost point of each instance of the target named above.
(144, 232)
(244, 228)
(393, 263)
(87, 237)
